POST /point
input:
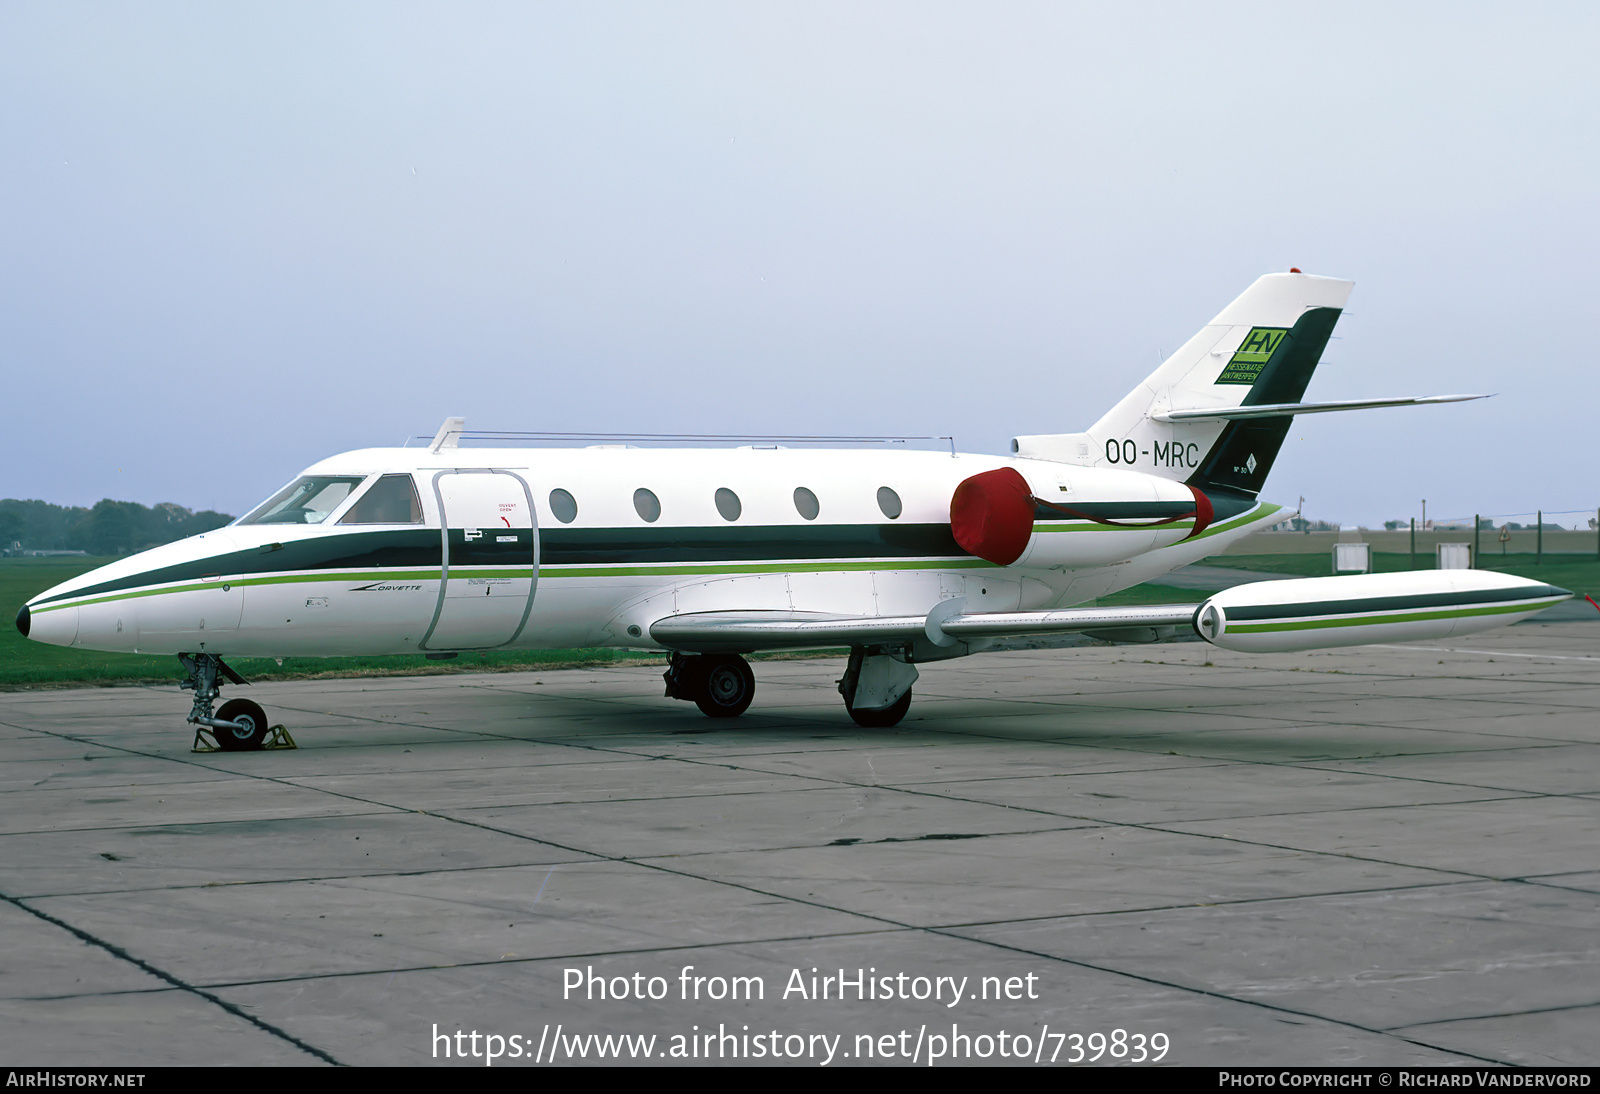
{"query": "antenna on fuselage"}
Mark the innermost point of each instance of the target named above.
(449, 435)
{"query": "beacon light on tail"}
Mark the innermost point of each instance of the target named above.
(1320, 612)
(707, 554)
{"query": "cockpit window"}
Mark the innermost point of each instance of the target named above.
(392, 500)
(308, 501)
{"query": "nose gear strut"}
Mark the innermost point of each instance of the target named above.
(240, 726)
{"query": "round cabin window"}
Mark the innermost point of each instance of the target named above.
(728, 504)
(647, 505)
(805, 503)
(889, 502)
(563, 506)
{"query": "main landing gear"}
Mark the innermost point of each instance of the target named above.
(720, 684)
(241, 725)
(876, 685)
(876, 688)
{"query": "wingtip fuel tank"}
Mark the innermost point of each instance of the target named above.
(1320, 612)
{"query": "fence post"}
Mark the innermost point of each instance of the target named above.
(1476, 520)
(1413, 543)
(1538, 551)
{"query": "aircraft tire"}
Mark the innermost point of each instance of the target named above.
(881, 719)
(724, 685)
(244, 712)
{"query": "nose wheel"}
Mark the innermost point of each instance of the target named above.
(240, 725)
(249, 727)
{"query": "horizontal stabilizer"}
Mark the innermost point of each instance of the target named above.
(1279, 410)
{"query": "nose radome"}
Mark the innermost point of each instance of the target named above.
(23, 620)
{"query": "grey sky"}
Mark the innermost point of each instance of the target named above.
(239, 238)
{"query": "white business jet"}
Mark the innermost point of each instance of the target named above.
(707, 554)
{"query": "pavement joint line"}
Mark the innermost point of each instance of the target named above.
(1554, 885)
(301, 880)
(915, 788)
(1309, 765)
(1305, 765)
(1334, 854)
(1214, 994)
(337, 974)
(1198, 736)
(1501, 1014)
(1118, 745)
(385, 811)
(1232, 709)
(1241, 902)
(1205, 682)
(1207, 762)
(1101, 821)
(1557, 873)
(1492, 653)
(163, 990)
(217, 1001)
(934, 837)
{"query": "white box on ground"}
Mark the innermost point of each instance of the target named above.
(1352, 558)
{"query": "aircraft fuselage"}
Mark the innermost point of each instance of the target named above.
(554, 548)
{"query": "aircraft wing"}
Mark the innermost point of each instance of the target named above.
(747, 632)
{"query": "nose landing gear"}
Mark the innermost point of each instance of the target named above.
(240, 726)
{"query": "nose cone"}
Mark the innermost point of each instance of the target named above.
(24, 620)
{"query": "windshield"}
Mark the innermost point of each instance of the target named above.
(308, 501)
(392, 500)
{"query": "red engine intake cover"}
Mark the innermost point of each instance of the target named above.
(991, 515)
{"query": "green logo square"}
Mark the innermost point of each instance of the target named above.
(1256, 350)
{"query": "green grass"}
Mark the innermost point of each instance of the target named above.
(1151, 593)
(1579, 573)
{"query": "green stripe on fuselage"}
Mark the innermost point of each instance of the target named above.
(686, 569)
(596, 570)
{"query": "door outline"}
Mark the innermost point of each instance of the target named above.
(444, 553)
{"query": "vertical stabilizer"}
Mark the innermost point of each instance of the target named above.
(1262, 348)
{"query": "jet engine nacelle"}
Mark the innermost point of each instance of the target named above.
(1319, 612)
(1056, 517)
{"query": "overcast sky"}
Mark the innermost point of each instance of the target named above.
(237, 238)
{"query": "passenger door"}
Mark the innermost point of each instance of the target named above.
(491, 559)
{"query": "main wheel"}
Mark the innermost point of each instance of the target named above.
(881, 719)
(246, 714)
(725, 686)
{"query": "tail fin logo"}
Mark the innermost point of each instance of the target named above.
(1258, 347)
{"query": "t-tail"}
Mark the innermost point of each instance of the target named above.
(1216, 412)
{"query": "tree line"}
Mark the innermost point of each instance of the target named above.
(109, 528)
